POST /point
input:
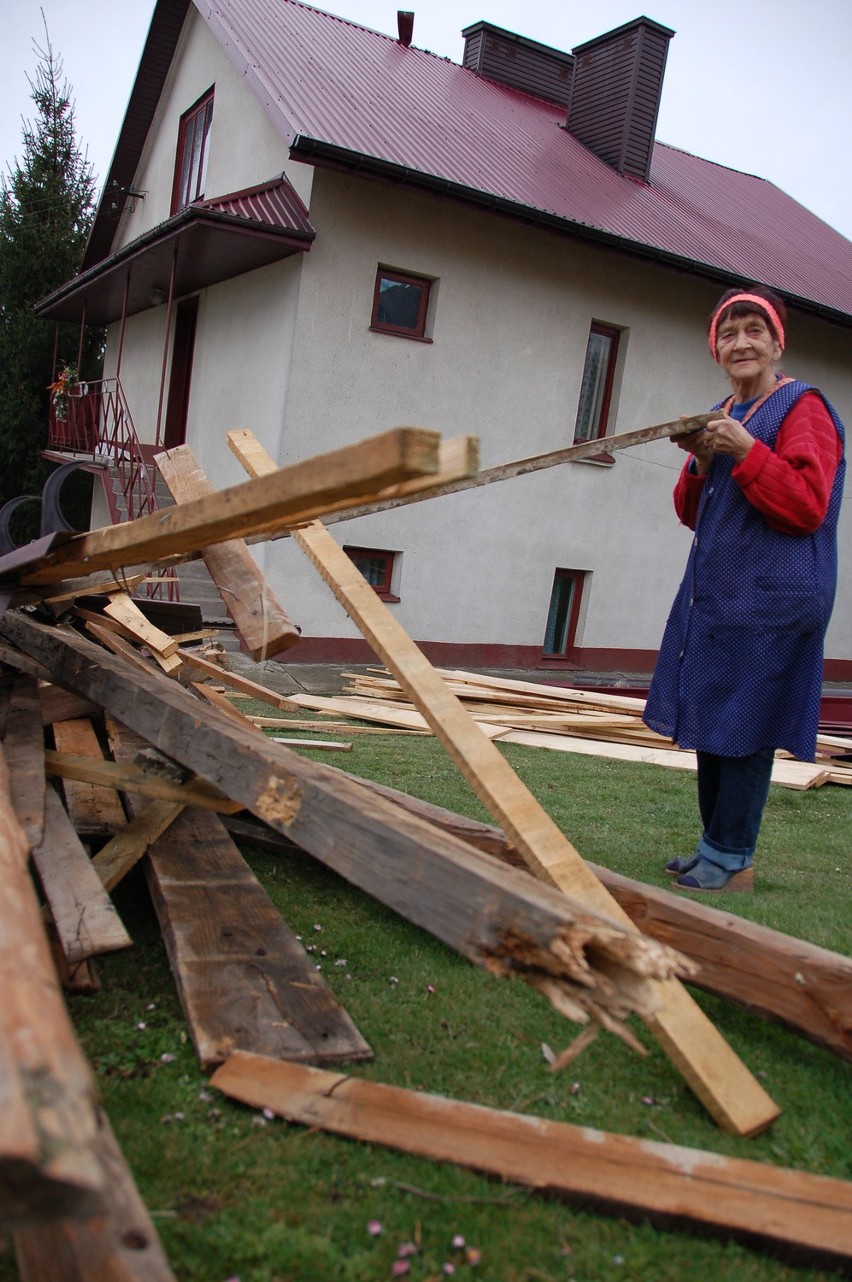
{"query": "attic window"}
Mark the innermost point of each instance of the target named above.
(192, 151)
(400, 304)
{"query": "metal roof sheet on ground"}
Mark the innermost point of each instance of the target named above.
(326, 79)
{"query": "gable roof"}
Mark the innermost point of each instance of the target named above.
(343, 95)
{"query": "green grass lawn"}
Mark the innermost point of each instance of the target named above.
(237, 1195)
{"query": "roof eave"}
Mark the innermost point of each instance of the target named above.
(329, 155)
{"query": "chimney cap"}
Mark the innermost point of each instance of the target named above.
(667, 32)
(405, 26)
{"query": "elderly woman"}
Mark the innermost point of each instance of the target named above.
(740, 667)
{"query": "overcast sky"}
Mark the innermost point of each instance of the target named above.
(757, 85)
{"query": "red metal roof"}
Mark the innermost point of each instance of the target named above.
(343, 92)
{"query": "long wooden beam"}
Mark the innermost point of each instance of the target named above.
(583, 962)
(804, 988)
(338, 479)
(535, 463)
(48, 1096)
(732, 1096)
(801, 1216)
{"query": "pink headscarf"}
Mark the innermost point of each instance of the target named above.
(760, 305)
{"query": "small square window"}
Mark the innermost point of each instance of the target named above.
(400, 304)
(596, 388)
(192, 151)
(377, 567)
(563, 614)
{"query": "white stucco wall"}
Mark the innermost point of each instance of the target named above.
(512, 315)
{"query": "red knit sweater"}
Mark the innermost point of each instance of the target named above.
(789, 485)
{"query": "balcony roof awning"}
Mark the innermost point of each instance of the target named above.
(208, 242)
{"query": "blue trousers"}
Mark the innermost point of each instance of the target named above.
(732, 794)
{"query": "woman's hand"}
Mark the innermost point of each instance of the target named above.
(726, 436)
(699, 446)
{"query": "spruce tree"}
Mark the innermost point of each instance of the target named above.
(47, 204)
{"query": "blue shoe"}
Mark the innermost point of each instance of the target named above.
(682, 863)
(707, 876)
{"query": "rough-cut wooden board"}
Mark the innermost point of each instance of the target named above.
(247, 687)
(84, 916)
(259, 617)
(218, 698)
(732, 1096)
(120, 1245)
(801, 1216)
(244, 979)
(23, 745)
(115, 859)
(126, 612)
(335, 480)
(496, 917)
(805, 988)
(94, 808)
(536, 463)
(799, 775)
(59, 705)
(370, 710)
(48, 1111)
(118, 775)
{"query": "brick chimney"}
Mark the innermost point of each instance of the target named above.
(518, 62)
(615, 94)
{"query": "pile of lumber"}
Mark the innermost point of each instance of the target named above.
(155, 765)
(563, 719)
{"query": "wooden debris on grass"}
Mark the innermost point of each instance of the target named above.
(567, 719)
(796, 984)
(93, 808)
(807, 1218)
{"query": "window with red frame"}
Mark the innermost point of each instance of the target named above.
(376, 566)
(400, 304)
(563, 613)
(192, 151)
(596, 388)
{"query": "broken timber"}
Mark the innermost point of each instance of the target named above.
(732, 1096)
(798, 985)
(289, 495)
(583, 962)
(803, 1217)
(258, 616)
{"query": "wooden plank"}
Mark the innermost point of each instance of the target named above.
(84, 916)
(494, 916)
(799, 985)
(798, 775)
(259, 617)
(112, 774)
(336, 480)
(115, 859)
(251, 688)
(118, 645)
(61, 705)
(23, 745)
(732, 1096)
(522, 467)
(369, 710)
(94, 809)
(244, 979)
(119, 1245)
(221, 701)
(82, 977)
(124, 609)
(48, 1110)
(803, 1217)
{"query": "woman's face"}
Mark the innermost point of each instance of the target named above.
(747, 351)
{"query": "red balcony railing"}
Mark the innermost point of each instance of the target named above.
(93, 422)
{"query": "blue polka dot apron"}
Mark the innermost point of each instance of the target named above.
(741, 660)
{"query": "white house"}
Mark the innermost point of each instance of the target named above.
(320, 232)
